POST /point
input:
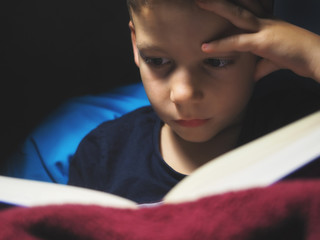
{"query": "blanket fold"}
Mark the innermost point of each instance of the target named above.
(286, 210)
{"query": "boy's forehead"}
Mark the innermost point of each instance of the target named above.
(171, 20)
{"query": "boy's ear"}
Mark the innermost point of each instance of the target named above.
(134, 45)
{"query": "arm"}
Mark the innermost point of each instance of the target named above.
(280, 45)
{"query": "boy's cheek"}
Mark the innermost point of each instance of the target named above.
(248, 66)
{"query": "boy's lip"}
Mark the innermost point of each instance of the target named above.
(191, 122)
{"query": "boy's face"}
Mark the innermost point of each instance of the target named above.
(197, 95)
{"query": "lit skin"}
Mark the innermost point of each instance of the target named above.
(201, 97)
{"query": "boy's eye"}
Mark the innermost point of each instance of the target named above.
(155, 61)
(218, 62)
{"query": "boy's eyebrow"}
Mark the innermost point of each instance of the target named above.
(142, 46)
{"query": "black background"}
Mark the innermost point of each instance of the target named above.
(52, 50)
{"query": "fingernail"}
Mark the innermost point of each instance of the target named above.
(205, 47)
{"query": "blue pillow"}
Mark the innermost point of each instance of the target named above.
(46, 153)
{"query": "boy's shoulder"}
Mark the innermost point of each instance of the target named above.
(136, 126)
(141, 117)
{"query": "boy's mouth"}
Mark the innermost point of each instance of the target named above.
(192, 122)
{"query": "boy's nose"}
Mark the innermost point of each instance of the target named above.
(185, 87)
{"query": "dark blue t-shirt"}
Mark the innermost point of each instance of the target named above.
(123, 157)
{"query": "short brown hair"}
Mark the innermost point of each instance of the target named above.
(137, 5)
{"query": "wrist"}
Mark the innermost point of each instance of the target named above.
(315, 60)
(316, 66)
(307, 62)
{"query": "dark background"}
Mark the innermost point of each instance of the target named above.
(52, 50)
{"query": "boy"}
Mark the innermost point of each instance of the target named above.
(200, 91)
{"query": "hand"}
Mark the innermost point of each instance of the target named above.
(279, 44)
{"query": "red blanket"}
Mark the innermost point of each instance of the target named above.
(287, 210)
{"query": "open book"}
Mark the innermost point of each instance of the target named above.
(256, 164)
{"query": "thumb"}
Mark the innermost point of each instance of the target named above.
(265, 67)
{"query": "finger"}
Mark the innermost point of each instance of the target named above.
(265, 67)
(237, 15)
(239, 43)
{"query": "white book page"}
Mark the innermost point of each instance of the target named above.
(34, 193)
(256, 164)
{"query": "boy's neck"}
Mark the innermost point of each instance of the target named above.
(184, 157)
